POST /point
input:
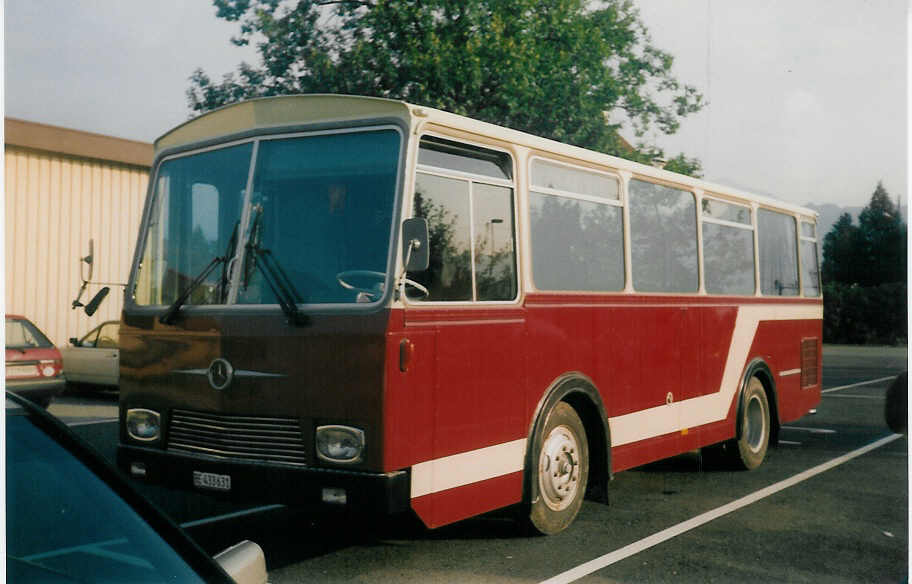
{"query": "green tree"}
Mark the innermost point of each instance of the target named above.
(841, 247)
(556, 68)
(882, 234)
(684, 165)
(864, 274)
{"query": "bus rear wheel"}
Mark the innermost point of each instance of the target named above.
(560, 469)
(749, 450)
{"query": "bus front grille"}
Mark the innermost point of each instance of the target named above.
(242, 437)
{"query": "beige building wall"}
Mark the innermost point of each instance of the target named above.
(63, 187)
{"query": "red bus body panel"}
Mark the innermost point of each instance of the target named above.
(474, 376)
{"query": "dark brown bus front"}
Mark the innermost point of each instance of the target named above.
(253, 337)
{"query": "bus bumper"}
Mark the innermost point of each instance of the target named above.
(385, 493)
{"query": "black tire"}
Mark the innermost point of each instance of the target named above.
(896, 406)
(749, 449)
(560, 470)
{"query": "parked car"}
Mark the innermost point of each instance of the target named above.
(70, 517)
(34, 367)
(95, 358)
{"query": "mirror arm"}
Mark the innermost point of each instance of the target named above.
(86, 280)
(82, 289)
(400, 283)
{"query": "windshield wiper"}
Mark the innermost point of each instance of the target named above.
(170, 314)
(279, 282)
(223, 281)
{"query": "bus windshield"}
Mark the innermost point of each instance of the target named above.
(313, 229)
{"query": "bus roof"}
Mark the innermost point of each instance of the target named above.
(265, 113)
(274, 112)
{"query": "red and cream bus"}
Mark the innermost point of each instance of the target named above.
(368, 303)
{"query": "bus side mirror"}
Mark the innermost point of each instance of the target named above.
(93, 304)
(415, 248)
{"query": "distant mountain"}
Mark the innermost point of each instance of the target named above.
(830, 213)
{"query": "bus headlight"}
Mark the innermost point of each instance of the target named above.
(340, 443)
(144, 425)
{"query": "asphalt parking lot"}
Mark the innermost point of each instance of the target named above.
(830, 504)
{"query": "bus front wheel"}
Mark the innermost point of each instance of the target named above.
(560, 470)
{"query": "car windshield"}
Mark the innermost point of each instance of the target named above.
(64, 524)
(320, 207)
(104, 336)
(21, 334)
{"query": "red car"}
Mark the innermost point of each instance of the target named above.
(34, 367)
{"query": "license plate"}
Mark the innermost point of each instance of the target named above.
(210, 480)
(20, 371)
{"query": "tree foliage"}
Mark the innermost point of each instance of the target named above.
(883, 241)
(684, 165)
(840, 249)
(556, 68)
(871, 253)
(863, 315)
(864, 274)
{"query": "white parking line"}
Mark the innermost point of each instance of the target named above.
(685, 526)
(841, 387)
(811, 430)
(857, 396)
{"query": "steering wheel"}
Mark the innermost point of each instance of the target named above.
(374, 293)
(424, 291)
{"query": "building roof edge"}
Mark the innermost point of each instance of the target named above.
(34, 135)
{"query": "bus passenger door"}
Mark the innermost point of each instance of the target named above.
(469, 296)
(477, 422)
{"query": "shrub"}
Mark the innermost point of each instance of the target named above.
(865, 315)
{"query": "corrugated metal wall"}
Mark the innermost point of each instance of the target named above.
(54, 203)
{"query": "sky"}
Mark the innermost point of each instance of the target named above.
(806, 99)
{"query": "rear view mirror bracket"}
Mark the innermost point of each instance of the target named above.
(94, 303)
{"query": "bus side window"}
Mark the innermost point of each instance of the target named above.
(663, 238)
(444, 202)
(778, 253)
(810, 268)
(728, 248)
(466, 195)
(577, 229)
(495, 254)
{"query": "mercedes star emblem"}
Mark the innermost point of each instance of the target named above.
(220, 374)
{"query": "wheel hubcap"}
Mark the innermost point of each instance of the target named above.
(755, 422)
(558, 468)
